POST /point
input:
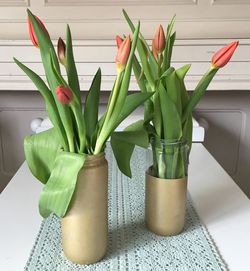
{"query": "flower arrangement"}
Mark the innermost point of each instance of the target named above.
(56, 156)
(167, 122)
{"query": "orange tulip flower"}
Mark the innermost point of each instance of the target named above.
(222, 56)
(64, 94)
(123, 54)
(159, 41)
(32, 31)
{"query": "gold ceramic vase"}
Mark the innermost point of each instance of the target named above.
(85, 225)
(165, 205)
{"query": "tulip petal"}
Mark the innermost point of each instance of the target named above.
(119, 41)
(61, 51)
(123, 53)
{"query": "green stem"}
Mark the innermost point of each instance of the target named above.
(80, 126)
(175, 163)
(71, 142)
(199, 92)
(104, 131)
(161, 166)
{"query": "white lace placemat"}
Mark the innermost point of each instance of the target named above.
(131, 245)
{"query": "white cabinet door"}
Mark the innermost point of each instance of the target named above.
(102, 19)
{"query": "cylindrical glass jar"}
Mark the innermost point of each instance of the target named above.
(170, 158)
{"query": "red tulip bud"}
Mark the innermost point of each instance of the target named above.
(223, 55)
(32, 31)
(123, 54)
(61, 51)
(158, 43)
(64, 94)
(119, 41)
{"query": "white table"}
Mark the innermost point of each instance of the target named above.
(221, 205)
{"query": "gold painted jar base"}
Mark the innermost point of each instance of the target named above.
(165, 205)
(85, 225)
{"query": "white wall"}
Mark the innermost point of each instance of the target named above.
(202, 27)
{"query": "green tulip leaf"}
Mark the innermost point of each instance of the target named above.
(167, 72)
(170, 39)
(52, 69)
(144, 87)
(174, 90)
(139, 75)
(170, 49)
(188, 130)
(58, 191)
(64, 110)
(131, 103)
(157, 119)
(71, 67)
(123, 144)
(187, 126)
(45, 46)
(49, 102)
(92, 104)
(143, 55)
(172, 127)
(40, 152)
(182, 71)
(123, 85)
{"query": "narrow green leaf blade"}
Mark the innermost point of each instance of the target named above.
(143, 55)
(71, 67)
(170, 49)
(92, 104)
(139, 75)
(181, 73)
(187, 126)
(188, 130)
(170, 39)
(157, 114)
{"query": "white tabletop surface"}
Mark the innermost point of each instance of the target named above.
(221, 205)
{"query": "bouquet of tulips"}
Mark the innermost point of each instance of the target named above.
(167, 122)
(56, 156)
